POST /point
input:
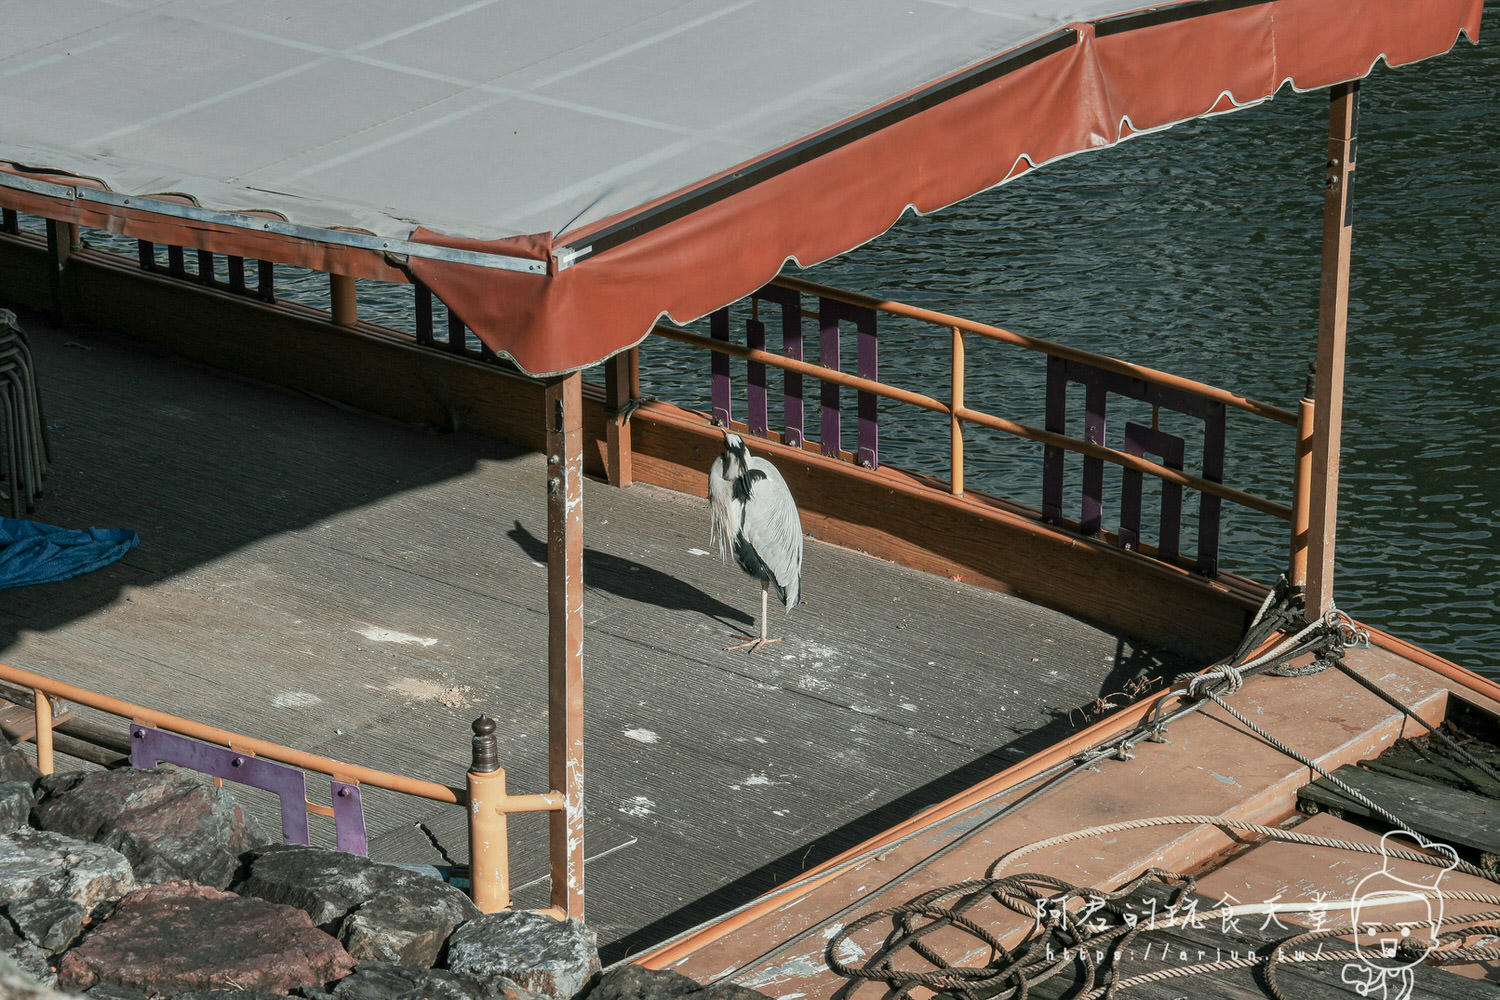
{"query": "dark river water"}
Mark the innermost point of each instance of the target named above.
(1196, 251)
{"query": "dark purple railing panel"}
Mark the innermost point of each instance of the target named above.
(831, 422)
(205, 267)
(1210, 507)
(175, 265)
(265, 286)
(718, 329)
(1095, 431)
(236, 268)
(758, 420)
(145, 253)
(456, 340)
(1097, 385)
(349, 818)
(1057, 423)
(1141, 441)
(10, 222)
(422, 305)
(831, 313)
(790, 302)
(149, 747)
(868, 366)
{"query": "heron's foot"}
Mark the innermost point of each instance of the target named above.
(753, 645)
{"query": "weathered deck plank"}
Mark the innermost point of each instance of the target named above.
(281, 535)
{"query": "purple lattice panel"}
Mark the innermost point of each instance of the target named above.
(1141, 441)
(150, 746)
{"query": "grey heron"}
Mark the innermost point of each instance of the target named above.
(755, 522)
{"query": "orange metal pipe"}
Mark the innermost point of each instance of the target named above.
(489, 841)
(540, 802)
(197, 730)
(43, 709)
(1224, 396)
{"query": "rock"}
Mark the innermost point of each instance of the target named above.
(228, 995)
(401, 929)
(16, 984)
(382, 913)
(384, 981)
(36, 864)
(113, 991)
(171, 824)
(33, 961)
(16, 766)
(16, 798)
(181, 936)
(50, 924)
(632, 982)
(538, 953)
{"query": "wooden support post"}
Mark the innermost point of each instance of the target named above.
(59, 249)
(1333, 323)
(621, 381)
(345, 311)
(1301, 483)
(956, 426)
(43, 706)
(564, 416)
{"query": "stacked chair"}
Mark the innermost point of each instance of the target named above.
(24, 448)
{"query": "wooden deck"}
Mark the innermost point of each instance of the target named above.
(358, 588)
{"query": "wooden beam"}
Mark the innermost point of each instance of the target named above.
(344, 311)
(564, 417)
(1333, 323)
(621, 382)
(59, 249)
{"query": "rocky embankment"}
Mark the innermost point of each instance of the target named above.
(125, 885)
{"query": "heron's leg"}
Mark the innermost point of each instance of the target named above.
(765, 601)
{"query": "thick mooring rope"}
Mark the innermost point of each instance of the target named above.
(1010, 973)
(1054, 946)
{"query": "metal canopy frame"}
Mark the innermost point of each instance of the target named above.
(65, 191)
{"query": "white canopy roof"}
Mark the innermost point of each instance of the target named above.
(668, 156)
(480, 118)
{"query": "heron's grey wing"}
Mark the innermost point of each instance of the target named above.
(771, 524)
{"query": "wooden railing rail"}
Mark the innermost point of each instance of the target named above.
(965, 414)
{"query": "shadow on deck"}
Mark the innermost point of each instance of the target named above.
(360, 589)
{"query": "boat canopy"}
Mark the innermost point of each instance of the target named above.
(564, 174)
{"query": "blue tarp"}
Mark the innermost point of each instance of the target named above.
(39, 553)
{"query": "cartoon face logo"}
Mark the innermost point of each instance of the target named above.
(1388, 954)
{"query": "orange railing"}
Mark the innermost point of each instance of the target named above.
(483, 797)
(961, 413)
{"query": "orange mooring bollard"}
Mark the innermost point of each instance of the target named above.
(489, 848)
